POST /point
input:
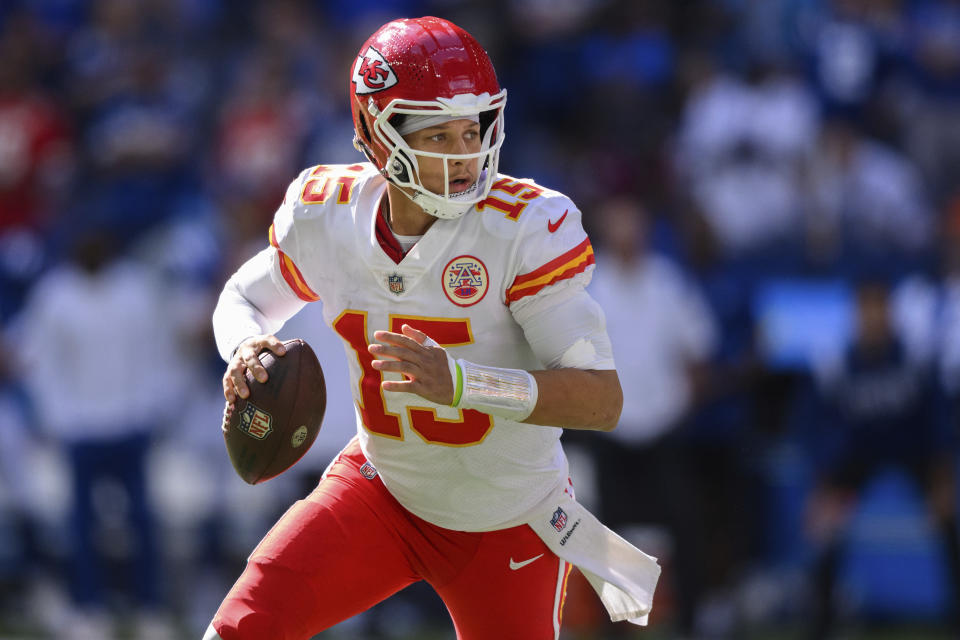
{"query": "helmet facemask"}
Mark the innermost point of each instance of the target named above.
(402, 169)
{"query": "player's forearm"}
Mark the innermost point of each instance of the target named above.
(568, 397)
(577, 399)
(235, 319)
(254, 301)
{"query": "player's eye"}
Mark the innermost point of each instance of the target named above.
(438, 137)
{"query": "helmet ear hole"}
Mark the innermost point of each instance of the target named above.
(487, 118)
(364, 129)
(399, 169)
(364, 148)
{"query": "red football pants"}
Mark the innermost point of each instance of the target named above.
(350, 545)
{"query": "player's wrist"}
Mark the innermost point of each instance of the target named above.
(509, 393)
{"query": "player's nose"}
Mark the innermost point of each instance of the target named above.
(460, 146)
(456, 162)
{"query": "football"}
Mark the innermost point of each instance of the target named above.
(270, 430)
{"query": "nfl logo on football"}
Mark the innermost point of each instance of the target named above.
(395, 283)
(559, 519)
(255, 422)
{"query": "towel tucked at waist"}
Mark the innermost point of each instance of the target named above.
(623, 576)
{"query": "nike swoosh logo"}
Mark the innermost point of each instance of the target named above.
(553, 226)
(519, 565)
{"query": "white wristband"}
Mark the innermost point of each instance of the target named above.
(509, 393)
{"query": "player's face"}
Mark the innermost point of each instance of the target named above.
(454, 137)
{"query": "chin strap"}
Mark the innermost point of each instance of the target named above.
(438, 209)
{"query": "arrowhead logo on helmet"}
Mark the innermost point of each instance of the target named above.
(371, 73)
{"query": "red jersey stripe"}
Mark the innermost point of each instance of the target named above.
(292, 274)
(553, 264)
(566, 266)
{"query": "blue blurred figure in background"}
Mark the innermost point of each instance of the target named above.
(881, 408)
(84, 336)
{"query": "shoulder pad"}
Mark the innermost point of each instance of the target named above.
(327, 184)
(552, 246)
(520, 202)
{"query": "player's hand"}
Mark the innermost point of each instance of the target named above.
(247, 357)
(423, 363)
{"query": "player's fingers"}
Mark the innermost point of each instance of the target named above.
(407, 386)
(229, 393)
(386, 351)
(252, 362)
(398, 366)
(238, 380)
(414, 334)
(397, 339)
(275, 345)
(422, 383)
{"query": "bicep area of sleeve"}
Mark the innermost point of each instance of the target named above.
(290, 249)
(566, 328)
(552, 248)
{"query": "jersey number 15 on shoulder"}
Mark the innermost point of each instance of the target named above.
(522, 193)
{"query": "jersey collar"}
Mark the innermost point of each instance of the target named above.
(388, 242)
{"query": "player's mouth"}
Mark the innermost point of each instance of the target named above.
(461, 184)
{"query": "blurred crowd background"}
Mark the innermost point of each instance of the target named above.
(773, 191)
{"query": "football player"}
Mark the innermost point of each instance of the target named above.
(459, 295)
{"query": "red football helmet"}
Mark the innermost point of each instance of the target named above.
(426, 66)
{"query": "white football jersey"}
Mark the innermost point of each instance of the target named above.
(460, 284)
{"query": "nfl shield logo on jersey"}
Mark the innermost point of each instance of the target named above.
(395, 283)
(559, 519)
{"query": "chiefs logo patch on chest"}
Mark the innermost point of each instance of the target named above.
(465, 281)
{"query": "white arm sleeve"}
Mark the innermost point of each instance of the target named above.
(256, 300)
(566, 327)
